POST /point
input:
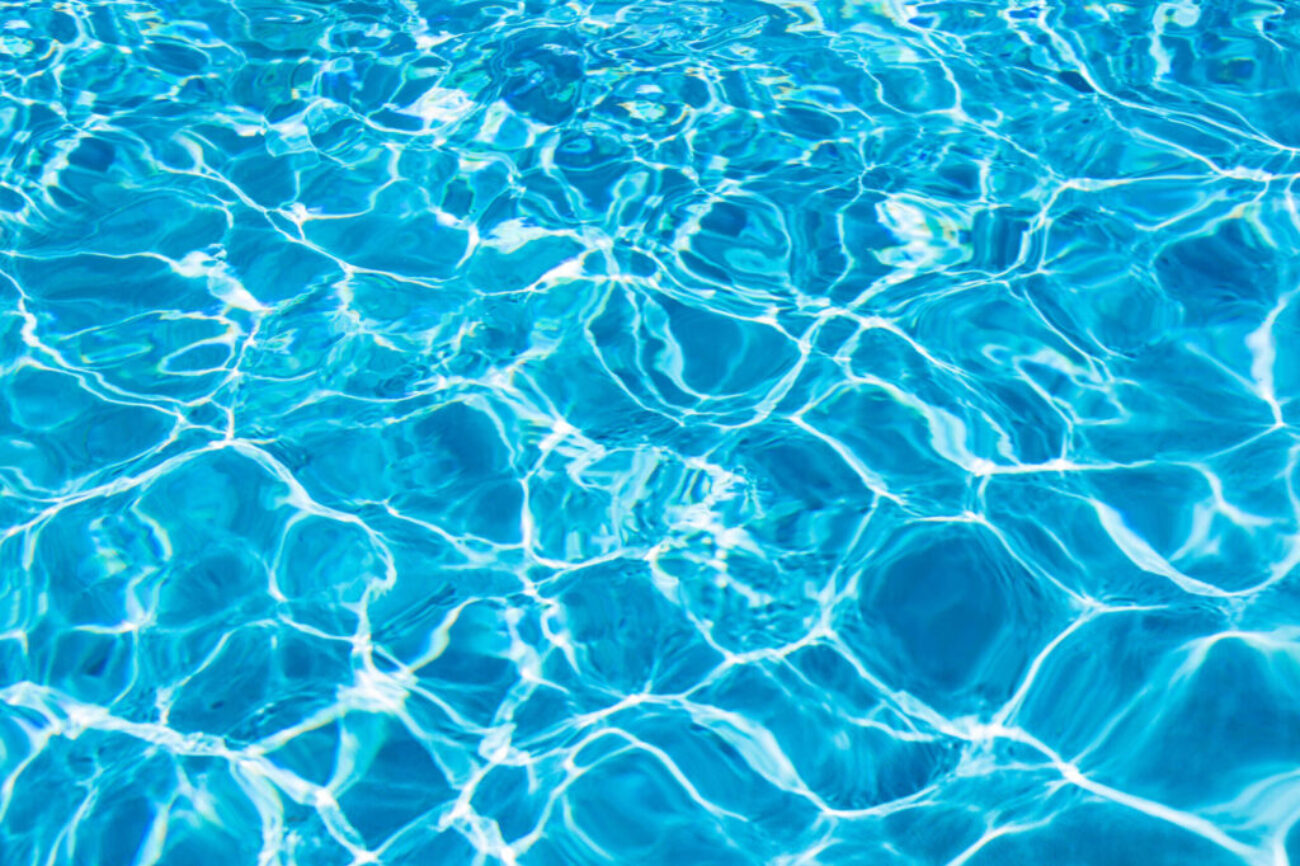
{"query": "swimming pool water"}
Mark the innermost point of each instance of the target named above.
(649, 432)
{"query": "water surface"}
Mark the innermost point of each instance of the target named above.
(649, 432)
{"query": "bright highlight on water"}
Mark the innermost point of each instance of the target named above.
(682, 432)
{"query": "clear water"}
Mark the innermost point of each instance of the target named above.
(708, 433)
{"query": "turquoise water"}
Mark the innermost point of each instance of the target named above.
(686, 433)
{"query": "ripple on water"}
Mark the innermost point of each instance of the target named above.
(656, 432)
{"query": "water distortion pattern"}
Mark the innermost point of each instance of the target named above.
(708, 433)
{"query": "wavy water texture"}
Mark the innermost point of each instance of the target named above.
(647, 432)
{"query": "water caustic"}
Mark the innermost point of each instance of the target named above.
(649, 433)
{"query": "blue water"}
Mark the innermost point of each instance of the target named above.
(649, 432)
